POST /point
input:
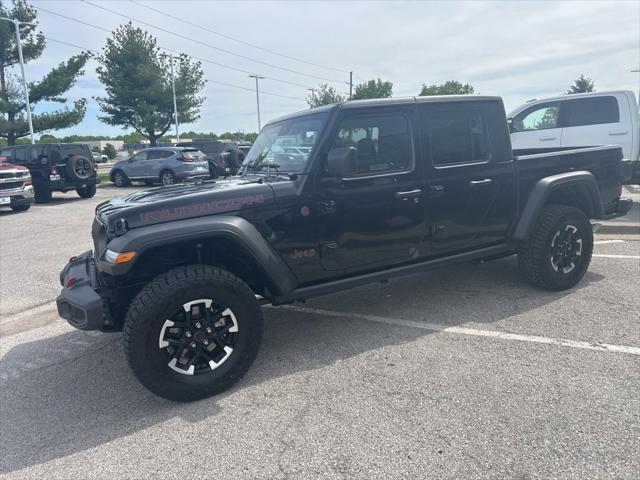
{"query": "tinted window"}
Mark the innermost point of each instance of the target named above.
(540, 117)
(381, 142)
(21, 155)
(158, 154)
(6, 154)
(36, 154)
(591, 111)
(458, 137)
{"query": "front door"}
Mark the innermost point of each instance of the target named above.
(375, 217)
(136, 165)
(470, 196)
(537, 127)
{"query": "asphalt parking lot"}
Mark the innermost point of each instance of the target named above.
(460, 373)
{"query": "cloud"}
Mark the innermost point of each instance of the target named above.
(519, 50)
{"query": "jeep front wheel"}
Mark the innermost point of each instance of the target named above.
(192, 332)
(558, 253)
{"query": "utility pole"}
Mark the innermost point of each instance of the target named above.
(257, 77)
(350, 84)
(17, 24)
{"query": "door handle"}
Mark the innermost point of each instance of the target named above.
(547, 139)
(436, 191)
(619, 132)
(480, 183)
(409, 194)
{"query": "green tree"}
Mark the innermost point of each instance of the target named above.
(324, 95)
(137, 81)
(373, 89)
(110, 151)
(13, 118)
(96, 149)
(451, 87)
(581, 85)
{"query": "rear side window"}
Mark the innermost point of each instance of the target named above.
(36, 154)
(590, 111)
(158, 154)
(458, 137)
(540, 117)
(381, 142)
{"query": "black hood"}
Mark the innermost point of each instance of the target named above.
(165, 204)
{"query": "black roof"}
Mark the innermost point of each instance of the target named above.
(375, 102)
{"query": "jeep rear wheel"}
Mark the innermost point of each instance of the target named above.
(86, 191)
(192, 332)
(558, 253)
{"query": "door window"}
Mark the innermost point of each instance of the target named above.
(541, 117)
(590, 111)
(458, 137)
(139, 156)
(382, 143)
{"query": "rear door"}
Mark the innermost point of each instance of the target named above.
(537, 127)
(470, 181)
(597, 120)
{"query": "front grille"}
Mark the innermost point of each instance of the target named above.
(14, 174)
(99, 235)
(10, 185)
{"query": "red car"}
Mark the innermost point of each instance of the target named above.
(16, 190)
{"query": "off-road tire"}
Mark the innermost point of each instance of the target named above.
(535, 255)
(79, 168)
(21, 208)
(149, 311)
(86, 191)
(42, 192)
(120, 179)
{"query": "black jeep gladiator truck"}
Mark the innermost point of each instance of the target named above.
(329, 199)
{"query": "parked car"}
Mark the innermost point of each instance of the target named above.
(224, 156)
(329, 199)
(15, 186)
(56, 167)
(586, 119)
(244, 148)
(166, 165)
(99, 157)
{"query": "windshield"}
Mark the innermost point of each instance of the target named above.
(285, 146)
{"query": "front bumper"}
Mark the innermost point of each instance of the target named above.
(79, 303)
(17, 196)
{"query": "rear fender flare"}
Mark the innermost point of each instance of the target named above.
(545, 187)
(235, 229)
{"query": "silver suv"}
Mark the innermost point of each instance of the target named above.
(166, 165)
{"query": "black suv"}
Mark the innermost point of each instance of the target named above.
(329, 199)
(56, 167)
(224, 156)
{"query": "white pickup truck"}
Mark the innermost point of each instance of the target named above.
(580, 120)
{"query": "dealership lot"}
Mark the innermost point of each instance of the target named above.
(460, 373)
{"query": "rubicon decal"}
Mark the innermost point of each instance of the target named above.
(217, 206)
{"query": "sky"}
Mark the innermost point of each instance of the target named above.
(514, 49)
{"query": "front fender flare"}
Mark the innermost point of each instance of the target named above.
(542, 191)
(233, 228)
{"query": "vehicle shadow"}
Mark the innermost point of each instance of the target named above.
(73, 392)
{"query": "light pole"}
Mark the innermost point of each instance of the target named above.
(173, 89)
(24, 78)
(257, 77)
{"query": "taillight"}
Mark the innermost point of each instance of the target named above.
(184, 158)
(223, 159)
(54, 170)
(71, 281)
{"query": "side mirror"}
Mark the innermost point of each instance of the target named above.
(341, 162)
(510, 123)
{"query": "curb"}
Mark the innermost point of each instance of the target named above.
(619, 228)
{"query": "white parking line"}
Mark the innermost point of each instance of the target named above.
(601, 347)
(616, 256)
(603, 242)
